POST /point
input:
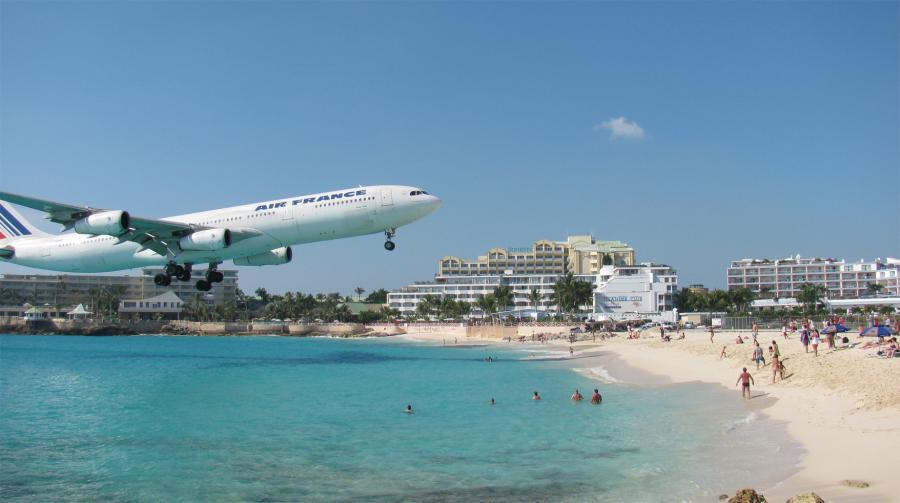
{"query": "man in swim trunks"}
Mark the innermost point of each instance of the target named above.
(596, 398)
(408, 409)
(536, 396)
(577, 397)
(746, 379)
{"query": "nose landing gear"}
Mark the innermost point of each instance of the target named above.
(388, 235)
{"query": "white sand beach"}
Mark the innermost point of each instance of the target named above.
(843, 406)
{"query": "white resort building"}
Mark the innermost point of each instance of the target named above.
(843, 280)
(644, 291)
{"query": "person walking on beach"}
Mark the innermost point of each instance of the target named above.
(784, 330)
(746, 379)
(815, 342)
(777, 351)
(712, 334)
(804, 339)
(722, 354)
(596, 398)
(777, 368)
(536, 396)
(758, 356)
(755, 331)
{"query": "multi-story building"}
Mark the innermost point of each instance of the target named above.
(73, 289)
(578, 255)
(783, 278)
(470, 288)
(644, 291)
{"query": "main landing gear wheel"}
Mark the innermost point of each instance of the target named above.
(214, 276)
(203, 285)
(184, 274)
(388, 235)
(162, 280)
(172, 269)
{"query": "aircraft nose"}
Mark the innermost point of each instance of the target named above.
(434, 203)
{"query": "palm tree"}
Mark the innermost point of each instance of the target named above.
(874, 288)
(535, 297)
(811, 295)
(504, 296)
(359, 291)
(487, 304)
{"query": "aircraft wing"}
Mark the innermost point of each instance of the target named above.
(157, 235)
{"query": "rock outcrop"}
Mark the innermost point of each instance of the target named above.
(748, 496)
(855, 483)
(806, 498)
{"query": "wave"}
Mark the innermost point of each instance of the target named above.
(598, 374)
(749, 418)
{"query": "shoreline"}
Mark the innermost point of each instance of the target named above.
(844, 431)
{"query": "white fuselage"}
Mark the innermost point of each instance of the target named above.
(280, 222)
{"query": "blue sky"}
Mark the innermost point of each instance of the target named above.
(732, 130)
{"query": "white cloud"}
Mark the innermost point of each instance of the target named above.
(620, 127)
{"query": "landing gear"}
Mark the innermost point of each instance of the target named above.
(162, 280)
(184, 274)
(213, 275)
(388, 235)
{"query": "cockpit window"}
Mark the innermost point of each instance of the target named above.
(418, 193)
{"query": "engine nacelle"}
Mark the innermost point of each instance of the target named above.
(112, 223)
(208, 240)
(277, 256)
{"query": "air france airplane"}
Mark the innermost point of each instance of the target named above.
(250, 235)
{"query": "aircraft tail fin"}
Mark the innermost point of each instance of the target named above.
(13, 225)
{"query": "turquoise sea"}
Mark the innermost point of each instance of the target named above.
(283, 419)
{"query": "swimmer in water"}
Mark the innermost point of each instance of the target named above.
(576, 397)
(596, 398)
(492, 402)
(408, 409)
(536, 396)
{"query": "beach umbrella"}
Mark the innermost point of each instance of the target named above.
(879, 331)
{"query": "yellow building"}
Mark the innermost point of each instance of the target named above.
(578, 254)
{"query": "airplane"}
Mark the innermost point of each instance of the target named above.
(255, 234)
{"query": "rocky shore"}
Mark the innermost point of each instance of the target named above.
(130, 327)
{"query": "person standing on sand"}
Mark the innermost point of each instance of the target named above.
(722, 354)
(712, 334)
(804, 339)
(746, 379)
(784, 330)
(815, 342)
(755, 331)
(777, 351)
(758, 356)
(777, 368)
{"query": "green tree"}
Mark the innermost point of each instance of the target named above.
(535, 297)
(570, 293)
(811, 296)
(504, 296)
(377, 297)
(874, 288)
(487, 304)
(359, 291)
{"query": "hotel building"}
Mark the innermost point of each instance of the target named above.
(645, 291)
(578, 254)
(73, 289)
(783, 278)
(609, 266)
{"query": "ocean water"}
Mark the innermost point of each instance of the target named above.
(284, 419)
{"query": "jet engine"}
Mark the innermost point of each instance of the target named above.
(277, 256)
(208, 240)
(111, 223)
